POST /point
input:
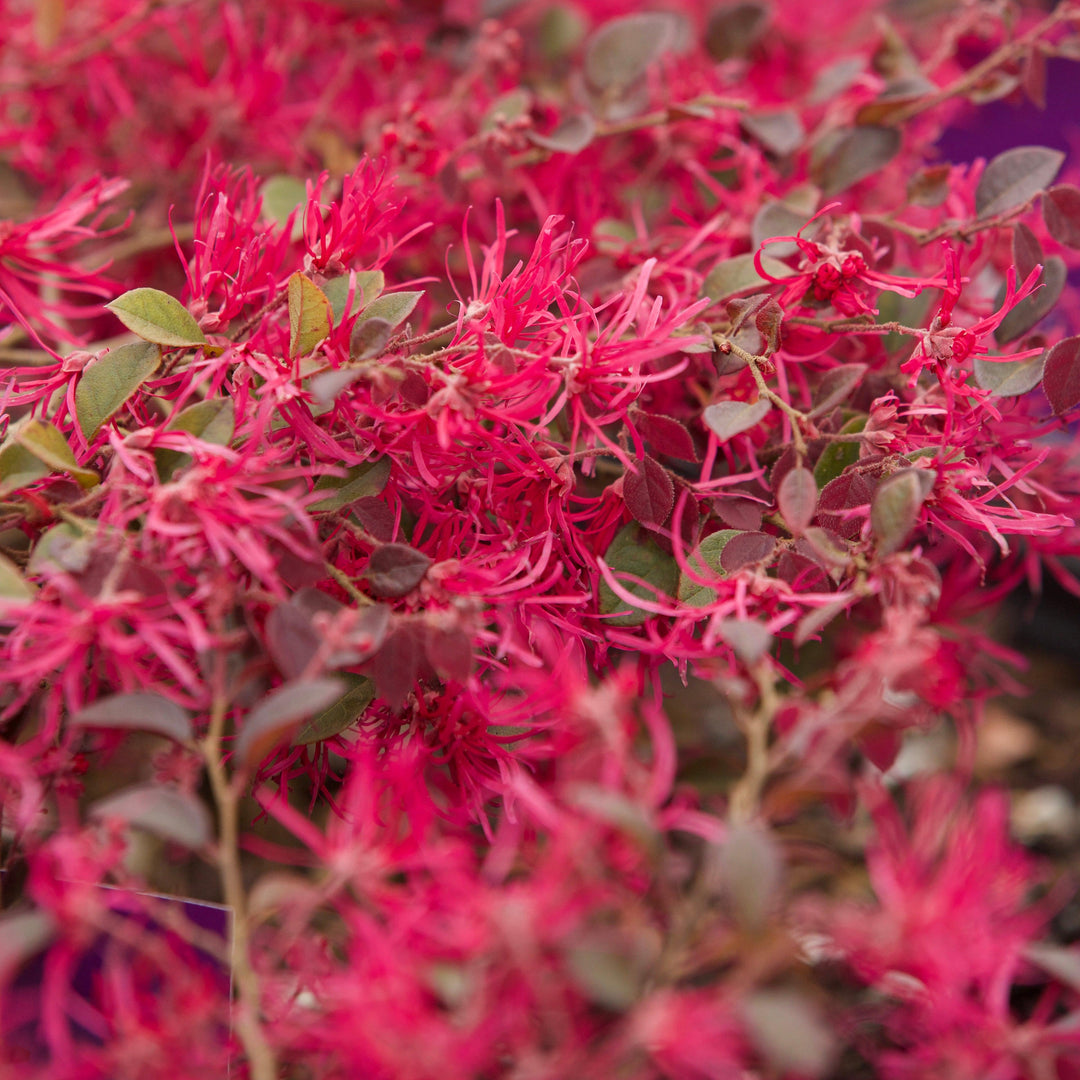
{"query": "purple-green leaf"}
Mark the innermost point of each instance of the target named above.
(730, 418)
(139, 711)
(1061, 376)
(276, 718)
(1015, 177)
(1061, 212)
(396, 569)
(167, 812)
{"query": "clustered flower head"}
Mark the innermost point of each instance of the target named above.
(536, 463)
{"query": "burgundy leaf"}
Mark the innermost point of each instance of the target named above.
(847, 492)
(746, 549)
(1027, 252)
(836, 386)
(449, 651)
(396, 569)
(665, 435)
(375, 518)
(1061, 376)
(797, 499)
(1061, 212)
(742, 514)
(649, 493)
(398, 664)
(291, 639)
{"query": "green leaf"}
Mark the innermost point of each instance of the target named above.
(705, 560)
(49, 446)
(281, 197)
(213, 421)
(1033, 308)
(19, 468)
(395, 308)
(837, 456)
(360, 482)
(13, 588)
(619, 52)
(342, 714)
(1014, 177)
(630, 553)
(309, 315)
(66, 547)
(739, 274)
(369, 284)
(158, 317)
(108, 383)
(1009, 378)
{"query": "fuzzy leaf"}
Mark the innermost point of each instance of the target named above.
(369, 284)
(630, 552)
(395, 308)
(732, 31)
(139, 711)
(1040, 303)
(703, 560)
(836, 386)
(309, 315)
(14, 589)
(649, 493)
(107, 384)
(342, 714)
(213, 421)
(797, 499)
(856, 154)
(1009, 378)
(49, 446)
(767, 314)
(746, 549)
(1061, 376)
(1014, 177)
(570, 136)
(369, 338)
(738, 275)
(277, 717)
(164, 811)
(665, 435)
(619, 52)
(396, 569)
(1061, 212)
(730, 418)
(158, 317)
(751, 869)
(894, 511)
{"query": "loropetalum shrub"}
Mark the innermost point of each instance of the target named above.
(547, 460)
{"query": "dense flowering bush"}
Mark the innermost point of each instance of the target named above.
(486, 490)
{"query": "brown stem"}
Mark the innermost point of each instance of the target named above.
(227, 797)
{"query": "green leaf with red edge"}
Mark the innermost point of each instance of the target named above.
(649, 493)
(340, 715)
(730, 418)
(1014, 177)
(278, 716)
(106, 385)
(167, 812)
(158, 317)
(797, 499)
(631, 552)
(309, 315)
(1061, 376)
(1061, 212)
(396, 569)
(895, 507)
(138, 711)
(47, 443)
